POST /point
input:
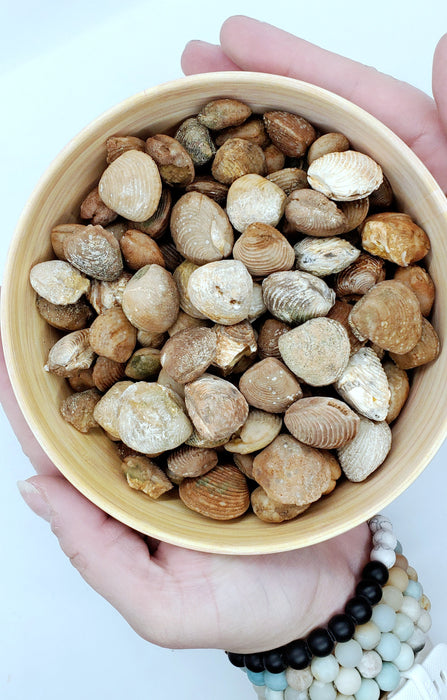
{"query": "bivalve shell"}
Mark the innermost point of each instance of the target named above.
(145, 475)
(263, 250)
(314, 214)
(394, 236)
(183, 321)
(366, 451)
(252, 130)
(420, 282)
(66, 317)
(274, 158)
(222, 291)
(289, 179)
(257, 306)
(171, 256)
(215, 406)
(291, 133)
(270, 386)
(345, 175)
(232, 344)
(426, 349)
(332, 142)
(105, 295)
(196, 139)
(58, 235)
(144, 365)
(237, 157)
(324, 256)
(107, 409)
(174, 163)
(364, 385)
(223, 113)
(399, 389)
(70, 354)
(93, 208)
(77, 409)
(112, 335)
(131, 186)
(58, 282)
(258, 431)
(188, 353)
(139, 250)
(360, 276)
(205, 184)
(355, 211)
(106, 373)
(295, 296)
(220, 494)
(156, 224)
(340, 312)
(252, 198)
(188, 461)
(270, 511)
(95, 252)
(151, 299)
(322, 422)
(117, 145)
(181, 276)
(269, 334)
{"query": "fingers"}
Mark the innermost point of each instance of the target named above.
(440, 79)
(201, 57)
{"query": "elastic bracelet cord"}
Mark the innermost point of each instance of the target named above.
(362, 652)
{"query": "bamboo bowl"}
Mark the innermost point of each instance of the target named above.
(90, 462)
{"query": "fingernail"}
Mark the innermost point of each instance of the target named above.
(34, 499)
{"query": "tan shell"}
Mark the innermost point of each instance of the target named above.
(156, 224)
(82, 380)
(196, 138)
(317, 351)
(237, 157)
(394, 236)
(220, 494)
(420, 282)
(166, 380)
(131, 186)
(58, 282)
(270, 511)
(314, 214)
(244, 463)
(77, 409)
(289, 132)
(366, 451)
(289, 179)
(183, 321)
(335, 468)
(222, 291)
(360, 276)
(66, 317)
(174, 163)
(107, 409)
(196, 440)
(95, 252)
(399, 389)
(274, 158)
(151, 299)
(117, 145)
(188, 353)
(171, 256)
(426, 350)
(258, 431)
(340, 312)
(270, 386)
(148, 339)
(151, 418)
(355, 211)
(295, 296)
(383, 196)
(139, 250)
(332, 142)
(118, 229)
(189, 461)
(269, 333)
(252, 130)
(345, 175)
(291, 472)
(144, 365)
(215, 406)
(263, 250)
(364, 385)
(232, 344)
(389, 315)
(252, 198)
(181, 276)
(70, 354)
(223, 113)
(93, 208)
(205, 184)
(257, 306)
(145, 475)
(112, 335)
(321, 421)
(107, 372)
(58, 235)
(105, 295)
(324, 256)
(201, 229)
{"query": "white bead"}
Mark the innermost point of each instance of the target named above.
(348, 654)
(367, 635)
(424, 621)
(299, 680)
(386, 556)
(405, 659)
(370, 664)
(380, 522)
(273, 694)
(340, 696)
(393, 597)
(417, 640)
(411, 608)
(384, 538)
(293, 694)
(260, 691)
(325, 669)
(322, 691)
(348, 681)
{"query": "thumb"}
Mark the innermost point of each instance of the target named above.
(439, 79)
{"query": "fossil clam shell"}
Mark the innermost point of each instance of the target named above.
(252, 130)
(222, 291)
(156, 224)
(270, 511)
(263, 250)
(196, 440)
(366, 451)
(426, 349)
(394, 236)
(131, 186)
(244, 463)
(151, 299)
(420, 282)
(317, 351)
(188, 353)
(216, 408)
(220, 494)
(295, 296)
(181, 276)
(77, 409)
(82, 380)
(174, 163)
(107, 409)
(324, 256)
(321, 421)
(205, 184)
(143, 474)
(291, 133)
(95, 252)
(70, 354)
(237, 157)
(345, 175)
(93, 208)
(274, 158)
(252, 198)
(188, 461)
(144, 365)
(364, 385)
(148, 339)
(104, 295)
(258, 431)
(66, 317)
(183, 321)
(58, 235)
(151, 418)
(232, 344)
(223, 113)
(289, 179)
(116, 145)
(270, 386)
(355, 211)
(171, 256)
(399, 389)
(257, 306)
(383, 196)
(107, 372)
(58, 282)
(200, 229)
(269, 333)
(340, 312)
(166, 380)
(389, 315)
(314, 214)
(139, 250)
(196, 139)
(360, 276)
(331, 142)
(112, 335)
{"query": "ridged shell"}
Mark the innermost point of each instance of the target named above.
(270, 386)
(151, 418)
(426, 350)
(174, 163)
(223, 113)
(237, 157)
(270, 511)
(139, 250)
(107, 372)
(112, 335)
(66, 317)
(145, 475)
(399, 389)
(222, 291)
(144, 365)
(200, 229)
(215, 406)
(289, 179)
(360, 276)
(340, 312)
(366, 451)
(196, 138)
(58, 282)
(394, 236)
(58, 235)
(156, 224)
(221, 494)
(151, 299)
(383, 196)
(389, 315)
(291, 133)
(93, 208)
(316, 351)
(205, 184)
(269, 333)
(253, 198)
(332, 142)
(171, 256)
(263, 250)
(105, 295)
(322, 422)
(295, 296)
(70, 354)
(420, 282)
(291, 472)
(148, 339)
(314, 214)
(181, 276)
(345, 175)
(95, 252)
(77, 409)
(258, 431)
(355, 211)
(188, 353)
(196, 440)
(325, 256)
(107, 409)
(131, 186)
(232, 344)
(117, 145)
(364, 385)
(189, 461)
(257, 306)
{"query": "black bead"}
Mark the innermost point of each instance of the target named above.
(359, 609)
(274, 661)
(236, 659)
(254, 662)
(376, 571)
(320, 642)
(369, 589)
(297, 654)
(341, 627)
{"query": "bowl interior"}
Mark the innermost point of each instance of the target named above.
(91, 462)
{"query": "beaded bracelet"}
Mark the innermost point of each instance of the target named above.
(362, 652)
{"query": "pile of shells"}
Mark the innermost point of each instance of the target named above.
(241, 307)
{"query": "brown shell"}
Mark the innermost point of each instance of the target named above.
(156, 224)
(107, 372)
(174, 163)
(252, 130)
(58, 235)
(314, 214)
(112, 335)
(77, 409)
(340, 312)
(426, 349)
(394, 236)
(237, 157)
(289, 179)
(139, 249)
(355, 211)
(145, 475)
(321, 421)
(95, 252)
(70, 354)
(289, 132)
(117, 145)
(399, 389)
(188, 353)
(105, 295)
(93, 208)
(252, 198)
(269, 334)
(220, 494)
(144, 365)
(196, 139)
(263, 250)
(66, 317)
(328, 143)
(205, 184)
(82, 380)
(270, 511)
(360, 276)
(366, 451)
(215, 406)
(294, 296)
(188, 461)
(171, 256)
(274, 158)
(58, 282)
(151, 299)
(232, 344)
(223, 113)
(389, 315)
(270, 386)
(420, 283)
(383, 196)
(166, 380)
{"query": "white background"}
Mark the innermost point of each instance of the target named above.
(61, 65)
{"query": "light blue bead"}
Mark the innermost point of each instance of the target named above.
(384, 616)
(398, 548)
(414, 589)
(389, 646)
(324, 669)
(256, 678)
(405, 660)
(322, 691)
(403, 627)
(275, 681)
(348, 654)
(389, 677)
(369, 690)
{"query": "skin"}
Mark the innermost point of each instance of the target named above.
(182, 598)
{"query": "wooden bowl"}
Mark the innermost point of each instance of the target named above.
(90, 462)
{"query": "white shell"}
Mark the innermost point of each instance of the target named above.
(253, 198)
(367, 451)
(294, 296)
(107, 409)
(258, 431)
(131, 186)
(257, 306)
(58, 282)
(222, 291)
(344, 176)
(324, 256)
(364, 385)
